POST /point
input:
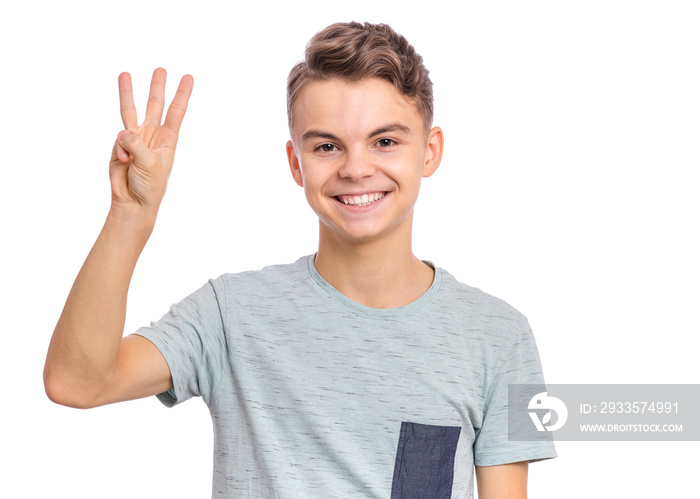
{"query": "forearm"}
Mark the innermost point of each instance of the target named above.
(84, 348)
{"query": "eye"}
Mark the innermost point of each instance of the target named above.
(326, 148)
(385, 142)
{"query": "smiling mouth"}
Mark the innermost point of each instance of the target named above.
(361, 200)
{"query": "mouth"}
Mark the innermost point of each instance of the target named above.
(360, 199)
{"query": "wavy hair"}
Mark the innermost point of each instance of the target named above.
(353, 52)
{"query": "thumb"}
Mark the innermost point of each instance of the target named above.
(130, 144)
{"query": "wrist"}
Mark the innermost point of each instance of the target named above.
(132, 219)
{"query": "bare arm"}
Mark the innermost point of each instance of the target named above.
(506, 481)
(88, 363)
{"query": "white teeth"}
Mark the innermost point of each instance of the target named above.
(363, 200)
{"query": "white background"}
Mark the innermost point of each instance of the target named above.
(568, 188)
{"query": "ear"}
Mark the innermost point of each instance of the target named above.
(294, 166)
(433, 151)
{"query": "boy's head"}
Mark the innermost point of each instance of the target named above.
(360, 118)
(353, 52)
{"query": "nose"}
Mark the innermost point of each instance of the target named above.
(356, 165)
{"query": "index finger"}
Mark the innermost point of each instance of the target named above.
(176, 111)
(126, 102)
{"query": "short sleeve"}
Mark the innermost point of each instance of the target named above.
(191, 337)
(492, 447)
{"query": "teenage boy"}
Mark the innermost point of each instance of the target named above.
(360, 371)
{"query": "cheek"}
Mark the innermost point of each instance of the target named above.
(407, 172)
(313, 185)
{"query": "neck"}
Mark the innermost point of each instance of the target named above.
(382, 273)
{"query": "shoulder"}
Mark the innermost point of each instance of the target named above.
(266, 283)
(271, 273)
(496, 323)
(474, 302)
(500, 337)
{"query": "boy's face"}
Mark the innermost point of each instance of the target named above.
(359, 150)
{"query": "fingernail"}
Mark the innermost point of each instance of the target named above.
(123, 134)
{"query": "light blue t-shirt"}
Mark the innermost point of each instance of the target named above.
(313, 395)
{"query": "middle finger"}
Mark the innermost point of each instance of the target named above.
(154, 109)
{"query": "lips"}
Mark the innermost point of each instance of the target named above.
(360, 199)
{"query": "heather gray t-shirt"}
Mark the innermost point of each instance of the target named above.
(313, 395)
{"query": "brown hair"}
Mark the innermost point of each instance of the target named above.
(353, 52)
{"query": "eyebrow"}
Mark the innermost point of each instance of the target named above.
(391, 127)
(318, 134)
(321, 134)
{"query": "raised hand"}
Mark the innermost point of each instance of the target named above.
(89, 363)
(142, 157)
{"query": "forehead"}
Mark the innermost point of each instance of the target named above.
(352, 108)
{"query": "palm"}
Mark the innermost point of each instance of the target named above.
(139, 171)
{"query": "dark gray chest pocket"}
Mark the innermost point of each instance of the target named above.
(425, 461)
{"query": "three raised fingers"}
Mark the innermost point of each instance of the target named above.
(154, 109)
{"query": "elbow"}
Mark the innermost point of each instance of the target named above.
(64, 393)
